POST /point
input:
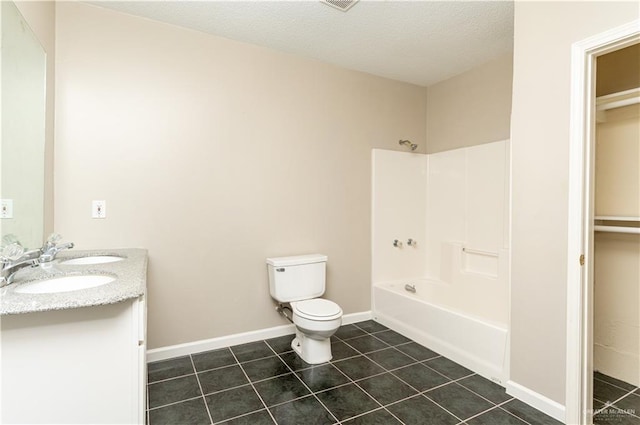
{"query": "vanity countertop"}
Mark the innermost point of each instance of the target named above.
(130, 273)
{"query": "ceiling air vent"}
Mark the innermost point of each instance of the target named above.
(343, 5)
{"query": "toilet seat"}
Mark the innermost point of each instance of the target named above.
(317, 309)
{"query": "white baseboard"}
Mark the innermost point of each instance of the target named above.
(178, 350)
(348, 319)
(536, 400)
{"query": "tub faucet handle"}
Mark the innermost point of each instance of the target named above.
(412, 242)
(397, 243)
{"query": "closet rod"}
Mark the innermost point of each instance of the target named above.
(617, 229)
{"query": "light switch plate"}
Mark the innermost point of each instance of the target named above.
(99, 209)
(6, 208)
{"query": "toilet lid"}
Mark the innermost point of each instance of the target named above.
(317, 308)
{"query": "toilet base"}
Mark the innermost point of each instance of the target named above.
(312, 351)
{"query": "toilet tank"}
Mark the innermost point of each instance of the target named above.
(297, 278)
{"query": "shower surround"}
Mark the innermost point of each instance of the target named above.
(453, 206)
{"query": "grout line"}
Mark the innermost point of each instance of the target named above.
(216, 368)
(363, 390)
(381, 330)
(257, 381)
(395, 368)
(415, 358)
(364, 413)
(482, 413)
(305, 385)
(175, 402)
(426, 398)
(380, 339)
(498, 406)
(296, 399)
(440, 373)
(169, 379)
(353, 337)
(423, 365)
(252, 386)
(350, 381)
(424, 394)
(391, 371)
(223, 390)
(339, 360)
(480, 395)
(613, 403)
(511, 413)
(252, 360)
(376, 400)
(364, 354)
(614, 385)
(240, 416)
(204, 399)
(421, 393)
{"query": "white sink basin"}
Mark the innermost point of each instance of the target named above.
(96, 259)
(64, 284)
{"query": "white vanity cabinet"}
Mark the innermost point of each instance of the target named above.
(75, 366)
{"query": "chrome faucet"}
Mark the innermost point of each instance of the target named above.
(51, 248)
(11, 264)
(13, 258)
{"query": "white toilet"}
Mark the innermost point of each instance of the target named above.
(299, 281)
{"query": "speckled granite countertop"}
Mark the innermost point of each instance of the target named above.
(130, 274)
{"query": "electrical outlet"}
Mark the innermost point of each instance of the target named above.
(98, 209)
(6, 208)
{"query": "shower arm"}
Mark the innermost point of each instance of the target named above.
(408, 143)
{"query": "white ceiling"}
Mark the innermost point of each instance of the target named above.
(420, 42)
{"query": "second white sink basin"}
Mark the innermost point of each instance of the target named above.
(95, 259)
(64, 284)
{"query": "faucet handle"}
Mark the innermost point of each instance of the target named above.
(54, 238)
(10, 238)
(51, 248)
(12, 252)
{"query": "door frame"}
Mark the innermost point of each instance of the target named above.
(579, 365)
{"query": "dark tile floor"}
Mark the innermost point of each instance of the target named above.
(377, 376)
(615, 401)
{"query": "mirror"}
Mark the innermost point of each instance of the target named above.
(22, 135)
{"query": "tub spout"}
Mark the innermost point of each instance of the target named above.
(410, 288)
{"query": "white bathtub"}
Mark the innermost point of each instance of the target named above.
(431, 317)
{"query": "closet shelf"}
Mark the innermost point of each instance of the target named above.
(618, 100)
(616, 218)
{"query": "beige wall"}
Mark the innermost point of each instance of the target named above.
(617, 182)
(616, 319)
(618, 71)
(214, 155)
(544, 32)
(41, 18)
(471, 108)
